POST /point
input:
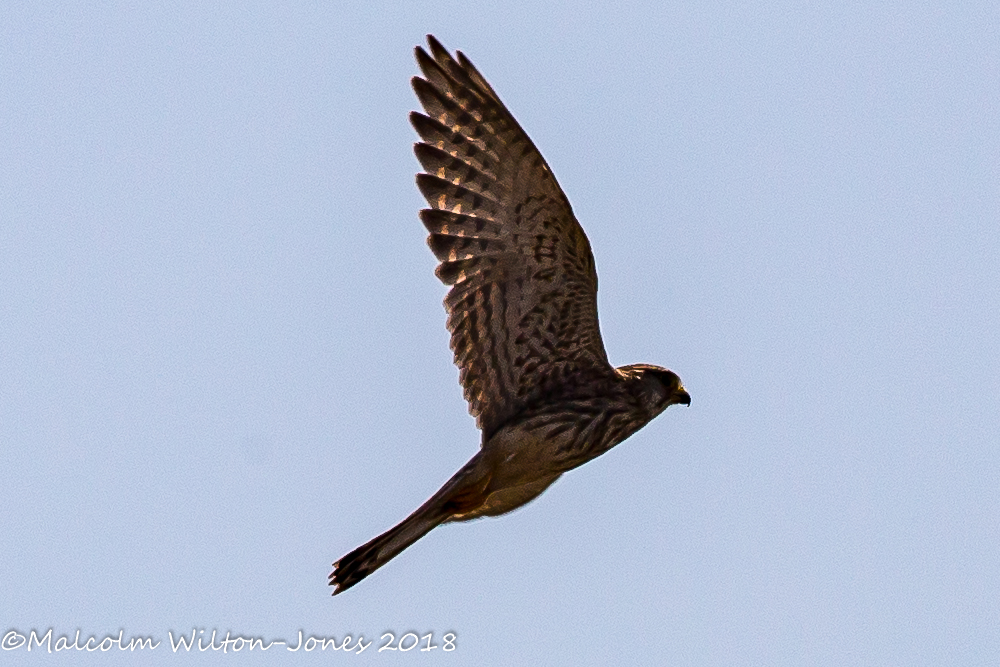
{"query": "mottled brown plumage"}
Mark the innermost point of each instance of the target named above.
(522, 311)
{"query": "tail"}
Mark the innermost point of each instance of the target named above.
(463, 490)
(369, 557)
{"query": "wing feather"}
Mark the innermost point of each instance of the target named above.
(522, 309)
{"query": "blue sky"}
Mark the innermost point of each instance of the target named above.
(225, 363)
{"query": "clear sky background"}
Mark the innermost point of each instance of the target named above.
(223, 359)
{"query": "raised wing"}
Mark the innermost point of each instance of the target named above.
(523, 303)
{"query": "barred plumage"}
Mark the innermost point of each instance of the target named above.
(522, 312)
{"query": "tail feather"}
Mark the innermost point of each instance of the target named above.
(369, 557)
(372, 555)
(464, 487)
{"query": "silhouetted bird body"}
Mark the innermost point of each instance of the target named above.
(522, 311)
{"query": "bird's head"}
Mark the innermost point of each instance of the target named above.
(659, 388)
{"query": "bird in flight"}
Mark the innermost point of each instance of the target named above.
(522, 312)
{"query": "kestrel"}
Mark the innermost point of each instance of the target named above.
(522, 312)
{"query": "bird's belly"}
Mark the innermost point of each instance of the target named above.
(501, 501)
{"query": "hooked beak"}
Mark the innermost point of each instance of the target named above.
(682, 397)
